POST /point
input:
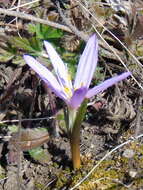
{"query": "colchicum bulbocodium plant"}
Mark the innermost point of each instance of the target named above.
(77, 94)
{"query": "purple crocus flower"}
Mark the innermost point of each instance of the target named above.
(62, 86)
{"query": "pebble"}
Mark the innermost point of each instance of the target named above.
(128, 153)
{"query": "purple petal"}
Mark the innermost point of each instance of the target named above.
(45, 75)
(87, 63)
(59, 66)
(78, 97)
(107, 83)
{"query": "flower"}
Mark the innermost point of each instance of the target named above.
(62, 86)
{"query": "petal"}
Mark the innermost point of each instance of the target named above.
(87, 63)
(78, 97)
(107, 83)
(45, 75)
(59, 66)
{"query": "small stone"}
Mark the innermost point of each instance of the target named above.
(128, 153)
(92, 146)
(133, 173)
(88, 155)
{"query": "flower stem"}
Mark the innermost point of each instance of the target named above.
(74, 135)
(75, 147)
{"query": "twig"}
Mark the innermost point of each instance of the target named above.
(137, 61)
(31, 119)
(118, 57)
(54, 128)
(23, 5)
(106, 29)
(80, 34)
(35, 19)
(34, 85)
(114, 180)
(19, 154)
(5, 137)
(17, 26)
(1, 180)
(138, 117)
(49, 184)
(104, 158)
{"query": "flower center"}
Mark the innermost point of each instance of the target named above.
(68, 92)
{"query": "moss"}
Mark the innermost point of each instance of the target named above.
(62, 178)
(111, 174)
(39, 186)
(2, 172)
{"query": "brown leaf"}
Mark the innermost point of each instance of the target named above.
(29, 139)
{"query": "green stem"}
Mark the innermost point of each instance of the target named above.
(75, 135)
(75, 147)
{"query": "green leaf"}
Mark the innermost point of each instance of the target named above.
(18, 60)
(22, 43)
(33, 45)
(54, 33)
(7, 52)
(31, 28)
(13, 128)
(45, 32)
(36, 44)
(5, 56)
(48, 32)
(39, 154)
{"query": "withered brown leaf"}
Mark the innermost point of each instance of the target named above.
(29, 139)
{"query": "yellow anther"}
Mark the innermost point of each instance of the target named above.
(68, 91)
